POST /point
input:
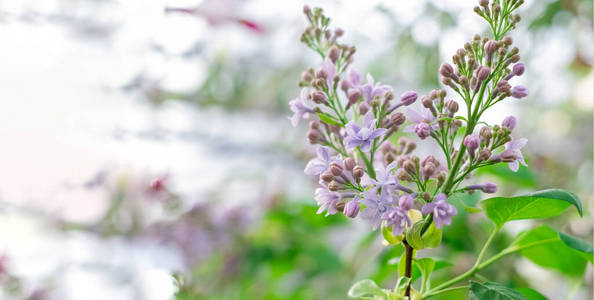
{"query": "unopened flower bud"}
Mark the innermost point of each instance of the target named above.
(353, 95)
(426, 196)
(452, 106)
(410, 167)
(386, 147)
(338, 32)
(482, 72)
(489, 188)
(507, 40)
(406, 202)
(327, 176)
(509, 122)
(321, 73)
(472, 143)
(306, 77)
(402, 175)
(428, 170)
(446, 70)
(351, 209)
(358, 173)
(519, 91)
(335, 169)
(349, 163)
(333, 53)
(398, 118)
(423, 130)
(441, 177)
(490, 47)
(334, 186)
(318, 97)
(427, 102)
(314, 136)
(518, 69)
(484, 3)
(508, 156)
(345, 85)
(363, 108)
(484, 155)
(314, 125)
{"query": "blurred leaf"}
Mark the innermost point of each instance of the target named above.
(367, 289)
(578, 245)
(537, 205)
(432, 237)
(549, 251)
(531, 294)
(523, 177)
(493, 290)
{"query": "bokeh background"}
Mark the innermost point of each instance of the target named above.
(146, 151)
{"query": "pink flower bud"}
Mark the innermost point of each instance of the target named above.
(408, 98)
(349, 163)
(351, 209)
(519, 92)
(518, 69)
(353, 95)
(509, 122)
(406, 202)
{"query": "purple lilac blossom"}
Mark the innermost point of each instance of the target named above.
(515, 147)
(327, 200)
(375, 207)
(384, 176)
(300, 108)
(321, 163)
(442, 211)
(422, 120)
(371, 89)
(398, 219)
(487, 187)
(364, 136)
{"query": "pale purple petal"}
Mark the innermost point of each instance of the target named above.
(413, 115)
(366, 146)
(514, 166)
(369, 120)
(377, 133)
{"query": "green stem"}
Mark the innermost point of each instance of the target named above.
(480, 266)
(447, 290)
(368, 163)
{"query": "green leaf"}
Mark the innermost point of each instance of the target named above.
(531, 294)
(537, 205)
(544, 247)
(458, 197)
(367, 289)
(432, 237)
(401, 284)
(579, 245)
(328, 119)
(426, 265)
(389, 237)
(413, 236)
(493, 290)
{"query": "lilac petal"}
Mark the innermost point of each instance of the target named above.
(315, 167)
(414, 115)
(377, 133)
(323, 153)
(409, 128)
(304, 94)
(370, 79)
(428, 208)
(352, 128)
(351, 142)
(369, 120)
(518, 144)
(295, 119)
(514, 166)
(440, 197)
(366, 146)
(354, 77)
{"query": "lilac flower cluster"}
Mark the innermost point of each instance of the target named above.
(364, 171)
